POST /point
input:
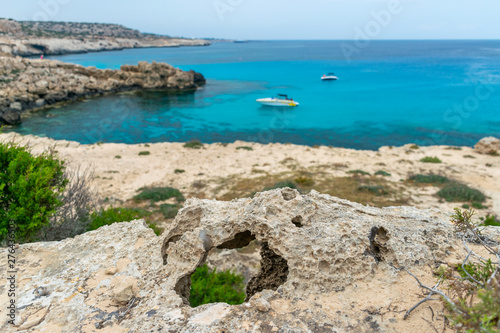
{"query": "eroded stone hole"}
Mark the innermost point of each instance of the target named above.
(258, 266)
(164, 249)
(235, 262)
(297, 220)
(273, 272)
(378, 240)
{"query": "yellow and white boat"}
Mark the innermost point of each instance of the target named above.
(280, 100)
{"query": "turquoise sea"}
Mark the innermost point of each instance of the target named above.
(389, 93)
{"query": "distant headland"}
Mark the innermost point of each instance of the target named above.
(32, 38)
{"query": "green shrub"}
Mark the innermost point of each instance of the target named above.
(478, 205)
(212, 286)
(382, 173)
(465, 206)
(30, 190)
(455, 191)
(170, 211)
(244, 148)
(414, 146)
(120, 214)
(429, 159)
(429, 179)
(144, 153)
(179, 171)
(468, 156)
(358, 172)
(491, 220)
(375, 189)
(156, 194)
(118, 157)
(286, 183)
(194, 144)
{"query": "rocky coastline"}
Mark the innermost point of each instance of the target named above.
(28, 84)
(57, 38)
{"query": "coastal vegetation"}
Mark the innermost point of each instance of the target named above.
(210, 286)
(155, 194)
(194, 144)
(430, 159)
(472, 287)
(31, 188)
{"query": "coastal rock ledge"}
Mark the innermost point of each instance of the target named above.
(28, 84)
(328, 265)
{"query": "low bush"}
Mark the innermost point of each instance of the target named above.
(120, 214)
(358, 172)
(375, 189)
(382, 173)
(170, 211)
(455, 191)
(244, 148)
(429, 159)
(210, 286)
(286, 183)
(30, 190)
(144, 153)
(194, 144)
(491, 220)
(155, 194)
(179, 171)
(429, 179)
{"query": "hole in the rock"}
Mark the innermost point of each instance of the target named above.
(164, 249)
(378, 239)
(297, 220)
(273, 272)
(233, 272)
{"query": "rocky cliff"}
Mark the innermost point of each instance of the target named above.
(328, 265)
(28, 84)
(55, 38)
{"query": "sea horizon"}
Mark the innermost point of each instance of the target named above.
(362, 110)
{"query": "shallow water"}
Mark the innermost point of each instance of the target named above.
(389, 93)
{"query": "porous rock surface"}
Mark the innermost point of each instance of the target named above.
(488, 145)
(328, 265)
(31, 83)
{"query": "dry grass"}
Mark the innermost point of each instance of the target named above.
(352, 188)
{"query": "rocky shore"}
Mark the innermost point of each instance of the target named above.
(338, 270)
(56, 38)
(27, 84)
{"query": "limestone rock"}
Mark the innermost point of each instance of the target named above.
(10, 117)
(488, 145)
(338, 270)
(33, 83)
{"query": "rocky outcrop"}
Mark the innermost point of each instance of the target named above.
(328, 265)
(28, 84)
(489, 145)
(55, 38)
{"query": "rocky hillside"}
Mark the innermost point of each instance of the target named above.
(69, 29)
(28, 38)
(328, 265)
(28, 84)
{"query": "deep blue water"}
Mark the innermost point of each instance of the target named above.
(389, 93)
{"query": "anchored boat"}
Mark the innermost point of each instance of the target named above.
(280, 100)
(329, 76)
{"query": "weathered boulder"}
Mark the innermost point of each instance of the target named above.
(10, 117)
(339, 269)
(31, 84)
(488, 145)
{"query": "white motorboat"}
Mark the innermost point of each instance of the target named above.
(280, 100)
(329, 76)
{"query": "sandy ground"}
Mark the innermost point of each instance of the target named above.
(120, 170)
